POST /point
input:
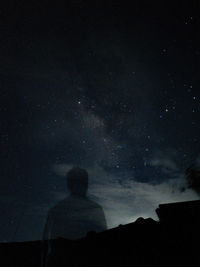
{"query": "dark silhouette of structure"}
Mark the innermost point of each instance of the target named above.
(76, 215)
(171, 241)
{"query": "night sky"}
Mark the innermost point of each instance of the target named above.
(105, 86)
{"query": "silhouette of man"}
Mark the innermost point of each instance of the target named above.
(76, 215)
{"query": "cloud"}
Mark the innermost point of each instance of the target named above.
(124, 202)
(168, 162)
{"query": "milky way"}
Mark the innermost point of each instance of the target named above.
(110, 89)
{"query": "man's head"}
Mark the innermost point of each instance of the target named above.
(77, 181)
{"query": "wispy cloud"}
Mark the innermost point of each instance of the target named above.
(126, 201)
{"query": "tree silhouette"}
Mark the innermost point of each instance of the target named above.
(193, 178)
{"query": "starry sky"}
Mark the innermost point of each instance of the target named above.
(108, 87)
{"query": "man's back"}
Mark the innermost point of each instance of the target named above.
(73, 217)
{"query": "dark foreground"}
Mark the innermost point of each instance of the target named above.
(173, 241)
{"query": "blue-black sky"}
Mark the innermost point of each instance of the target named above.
(109, 87)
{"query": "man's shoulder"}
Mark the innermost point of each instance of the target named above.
(73, 202)
(94, 204)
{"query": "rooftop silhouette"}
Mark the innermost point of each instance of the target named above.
(171, 241)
